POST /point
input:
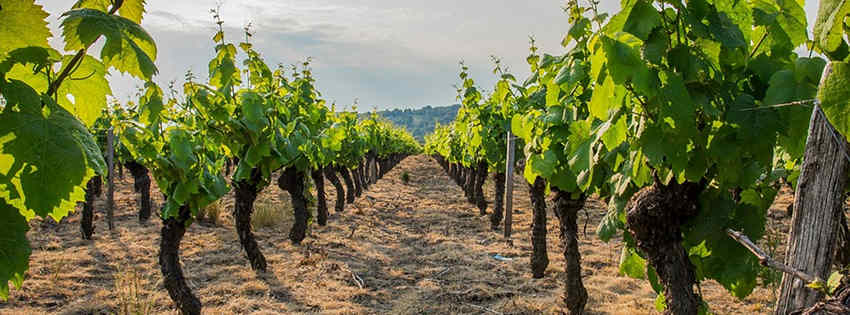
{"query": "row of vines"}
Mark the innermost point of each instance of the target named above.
(251, 122)
(684, 116)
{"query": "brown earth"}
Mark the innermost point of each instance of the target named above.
(414, 248)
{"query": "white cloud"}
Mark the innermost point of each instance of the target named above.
(385, 53)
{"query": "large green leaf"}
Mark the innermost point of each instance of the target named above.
(834, 95)
(631, 264)
(623, 57)
(642, 19)
(45, 161)
(133, 10)
(23, 24)
(253, 109)
(84, 93)
(604, 99)
(828, 26)
(151, 105)
(14, 248)
(128, 48)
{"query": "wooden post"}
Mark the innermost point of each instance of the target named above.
(509, 187)
(818, 207)
(110, 162)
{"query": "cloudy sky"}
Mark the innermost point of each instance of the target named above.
(383, 53)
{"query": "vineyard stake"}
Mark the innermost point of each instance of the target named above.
(818, 204)
(110, 161)
(509, 187)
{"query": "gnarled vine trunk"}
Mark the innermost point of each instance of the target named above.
(245, 193)
(358, 183)
(478, 189)
(321, 199)
(498, 201)
(654, 216)
(93, 189)
(340, 193)
(349, 184)
(469, 185)
(142, 186)
(566, 209)
(172, 233)
(292, 180)
(539, 257)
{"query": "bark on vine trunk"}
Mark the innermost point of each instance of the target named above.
(93, 189)
(539, 256)
(172, 233)
(245, 193)
(469, 183)
(340, 193)
(478, 189)
(818, 203)
(292, 180)
(358, 184)
(321, 199)
(366, 174)
(566, 209)
(654, 216)
(349, 184)
(498, 201)
(142, 186)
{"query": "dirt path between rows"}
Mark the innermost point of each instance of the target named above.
(415, 248)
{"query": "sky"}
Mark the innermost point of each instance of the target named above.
(382, 54)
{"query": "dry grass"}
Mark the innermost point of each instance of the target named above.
(407, 249)
(269, 215)
(212, 213)
(133, 292)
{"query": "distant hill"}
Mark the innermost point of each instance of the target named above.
(420, 122)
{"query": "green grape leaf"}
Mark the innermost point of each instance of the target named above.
(655, 47)
(610, 224)
(615, 134)
(34, 55)
(642, 20)
(834, 281)
(24, 24)
(724, 29)
(543, 164)
(623, 58)
(222, 69)
(128, 48)
(793, 21)
(604, 99)
(660, 302)
(47, 161)
(834, 96)
(182, 150)
(253, 109)
(84, 92)
(14, 248)
(577, 30)
(133, 10)
(631, 264)
(151, 105)
(100, 5)
(731, 265)
(828, 31)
